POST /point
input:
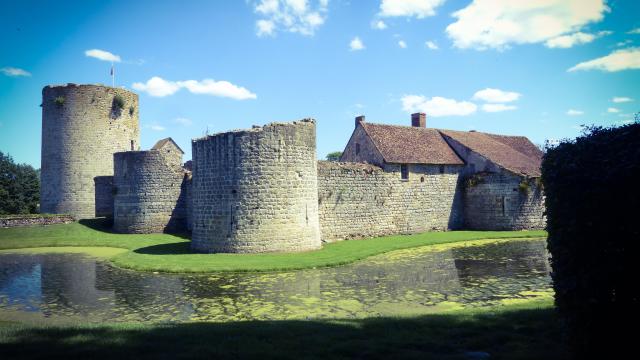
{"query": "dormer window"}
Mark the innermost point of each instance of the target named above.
(404, 172)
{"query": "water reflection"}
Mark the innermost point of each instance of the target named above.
(71, 286)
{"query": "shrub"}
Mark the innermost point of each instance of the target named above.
(118, 102)
(19, 187)
(334, 156)
(592, 195)
(524, 186)
(59, 100)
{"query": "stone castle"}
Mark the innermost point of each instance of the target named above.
(263, 190)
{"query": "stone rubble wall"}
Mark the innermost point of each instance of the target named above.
(104, 196)
(256, 190)
(31, 220)
(79, 137)
(359, 200)
(494, 201)
(149, 192)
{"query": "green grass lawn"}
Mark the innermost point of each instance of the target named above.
(525, 331)
(171, 253)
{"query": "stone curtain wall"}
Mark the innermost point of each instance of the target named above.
(494, 201)
(149, 196)
(360, 200)
(80, 133)
(256, 190)
(104, 196)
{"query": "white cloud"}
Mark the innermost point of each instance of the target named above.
(573, 112)
(567, 41)
(417, 8)
(183, 121)
(155, 127)
(356, 44)
(102, 55)
(634, 31)
(613, 110)
(499, 23)
(621, 99)
(497, 107)
(431, 45)
(379, 25)
(496, 95)
(296, 16)
(402, 44)
(623, 59)
(437, 106)
(156, 86)
(14, 72)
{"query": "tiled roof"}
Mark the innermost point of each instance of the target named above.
(514, 153)
(411, 145)
(161, 143)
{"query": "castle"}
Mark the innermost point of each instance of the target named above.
(262, 189)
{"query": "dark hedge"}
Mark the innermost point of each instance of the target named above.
(592, 188)
(19, 187)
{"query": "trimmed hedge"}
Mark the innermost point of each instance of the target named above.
(592, 188)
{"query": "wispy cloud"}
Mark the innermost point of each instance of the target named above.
(498, 24)
(154, 127)
(613, 110)
(618, 60)
(402, 44)
(574, 112)
(102, 55)
(567, 41)
(378, 25)
(634, 31)
(621, 99)
(159, 87)
(14, 72)
(431, 45)
(296, 16)
(417, 8)
(497, 107)
(437, 106)
(356, 44)
(183, 121)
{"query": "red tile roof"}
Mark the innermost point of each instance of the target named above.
(411, 145)
(514, 153)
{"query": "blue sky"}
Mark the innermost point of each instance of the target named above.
(535, 68)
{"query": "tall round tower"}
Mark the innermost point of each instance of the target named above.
(82, 127)
(256, 190)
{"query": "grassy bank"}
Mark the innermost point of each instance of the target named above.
(171, 253)
(525, 331)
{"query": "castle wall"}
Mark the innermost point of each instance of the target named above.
(494, 201)
(360, 200)
(103, 196)
(256, 190)
(149, 192)
(80, 133)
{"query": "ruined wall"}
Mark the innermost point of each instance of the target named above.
(82, 126)
(360, 200)
(103, 196)
(495, 201)
(149, 196)
(256, 190)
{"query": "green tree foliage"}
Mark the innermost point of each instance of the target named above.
(334, 156)
(19, 187)
(592, 198)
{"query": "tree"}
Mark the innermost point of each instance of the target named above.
(334, 156)
(19, 187)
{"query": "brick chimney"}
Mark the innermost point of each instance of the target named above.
(359, 119)
(419, 120)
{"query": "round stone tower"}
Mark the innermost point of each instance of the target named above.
(256, 190)
(82, 127)
(150, 191)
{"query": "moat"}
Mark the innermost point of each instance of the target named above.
(72, 287)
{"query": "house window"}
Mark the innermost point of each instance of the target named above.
(357, 149)
(404, 172)
(441, 169)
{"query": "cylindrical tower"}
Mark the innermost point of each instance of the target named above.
(256, 190)
(150, 192)
(82, 126)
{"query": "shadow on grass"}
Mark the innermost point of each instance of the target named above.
(105, 225)
(180, 248)
(521, 334)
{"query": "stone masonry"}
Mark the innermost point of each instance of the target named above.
(256, 190)
(82, 126)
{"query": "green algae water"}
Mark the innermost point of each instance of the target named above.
(58, 287)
